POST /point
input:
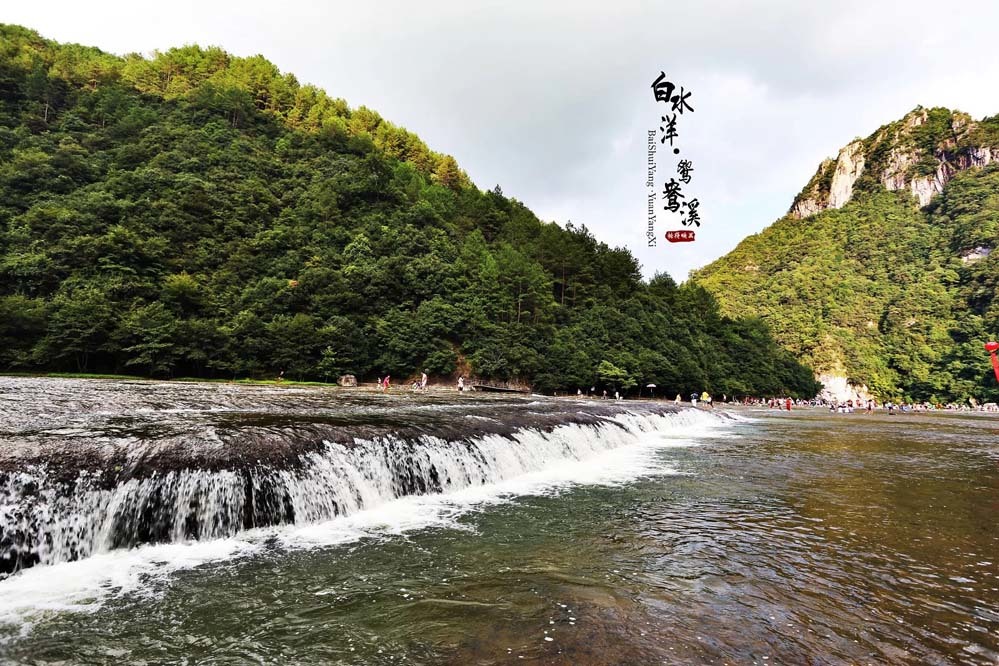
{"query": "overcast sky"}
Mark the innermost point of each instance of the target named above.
(551, 100)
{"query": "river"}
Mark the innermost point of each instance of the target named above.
(616, 534)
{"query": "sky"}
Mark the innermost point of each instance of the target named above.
(553, 100)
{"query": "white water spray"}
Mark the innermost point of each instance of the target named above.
(43, 521)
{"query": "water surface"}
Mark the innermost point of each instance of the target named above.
(795, 538)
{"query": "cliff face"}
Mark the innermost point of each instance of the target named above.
(882, 276)
(919, 153)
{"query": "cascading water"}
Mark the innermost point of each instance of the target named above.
(210, 471)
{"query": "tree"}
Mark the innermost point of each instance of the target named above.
(615, 376)
(203, 214)
(329, 365)
(149, 333)
(79, 326)
(448, 173)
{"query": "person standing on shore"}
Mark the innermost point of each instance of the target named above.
(461, 384)
(423, 381)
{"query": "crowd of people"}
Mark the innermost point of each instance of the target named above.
(421, 384)
(904, 407)
(706, 400)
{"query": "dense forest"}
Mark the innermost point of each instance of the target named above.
(893, 296)
(198, 214)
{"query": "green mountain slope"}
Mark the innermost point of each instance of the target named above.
(199, 214)
(862, 283)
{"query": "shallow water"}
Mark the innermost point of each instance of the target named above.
(794, 538)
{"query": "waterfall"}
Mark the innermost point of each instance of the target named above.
(46, 518)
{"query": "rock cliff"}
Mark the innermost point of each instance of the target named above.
(919, 153)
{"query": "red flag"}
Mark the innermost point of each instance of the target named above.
(991, 348)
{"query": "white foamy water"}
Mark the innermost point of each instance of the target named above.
(341, 495)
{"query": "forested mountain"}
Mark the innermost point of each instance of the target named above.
(200, 214)
(883, 272)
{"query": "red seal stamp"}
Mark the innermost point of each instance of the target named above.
(680, 236)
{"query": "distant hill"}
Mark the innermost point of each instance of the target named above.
(882, 272)
(199, 214)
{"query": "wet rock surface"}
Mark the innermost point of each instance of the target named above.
(88, 466)
(136, 428)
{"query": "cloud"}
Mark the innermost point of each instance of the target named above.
(551, 100)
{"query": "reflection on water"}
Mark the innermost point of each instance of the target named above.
(796, 538)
